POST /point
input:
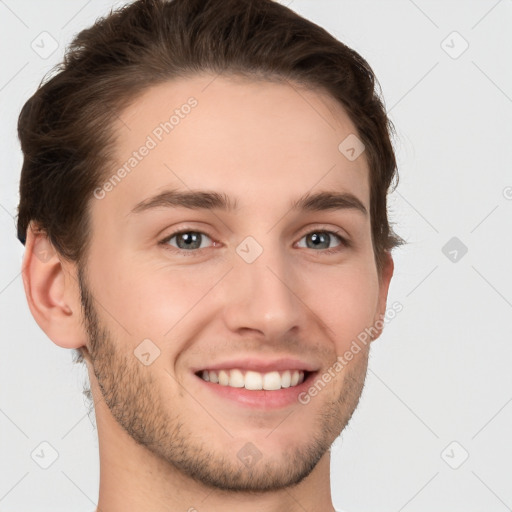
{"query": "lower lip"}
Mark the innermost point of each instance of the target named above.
(261, 399)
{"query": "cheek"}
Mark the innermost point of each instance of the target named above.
(153, 301)
(132, 301)
(158, 302)
(346, 301)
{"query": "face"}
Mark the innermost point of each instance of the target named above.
(233, 284)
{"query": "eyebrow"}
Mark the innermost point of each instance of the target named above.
(209, 200)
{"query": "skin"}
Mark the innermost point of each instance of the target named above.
(167, 443)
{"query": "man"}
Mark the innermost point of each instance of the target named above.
(203, 203)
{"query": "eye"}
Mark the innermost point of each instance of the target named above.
(189, 242)
(320, 239)
(186, 241)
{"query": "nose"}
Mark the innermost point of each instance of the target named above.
(263, 295)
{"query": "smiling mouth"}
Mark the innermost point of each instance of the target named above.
(254, 381)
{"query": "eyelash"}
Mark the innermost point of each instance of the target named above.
(344, 243)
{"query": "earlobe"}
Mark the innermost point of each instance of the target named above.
(384, 281)
(52, 293)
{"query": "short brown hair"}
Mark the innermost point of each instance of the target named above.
(65, 128)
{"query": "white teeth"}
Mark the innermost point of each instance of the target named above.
(253, 380)
(223, 378)
(236, 379)
(270, 381)
(286, 379)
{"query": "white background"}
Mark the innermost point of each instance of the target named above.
(442, 370)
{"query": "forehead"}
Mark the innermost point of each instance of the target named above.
(256, 141)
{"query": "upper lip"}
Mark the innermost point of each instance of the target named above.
(260, 365)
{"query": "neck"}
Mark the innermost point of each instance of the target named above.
(133, 479)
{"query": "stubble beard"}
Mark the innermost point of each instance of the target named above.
(132, 394)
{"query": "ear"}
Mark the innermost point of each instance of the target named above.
(384, 280)
(52, 291)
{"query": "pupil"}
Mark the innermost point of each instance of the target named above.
(316, 238)
(190, 239)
